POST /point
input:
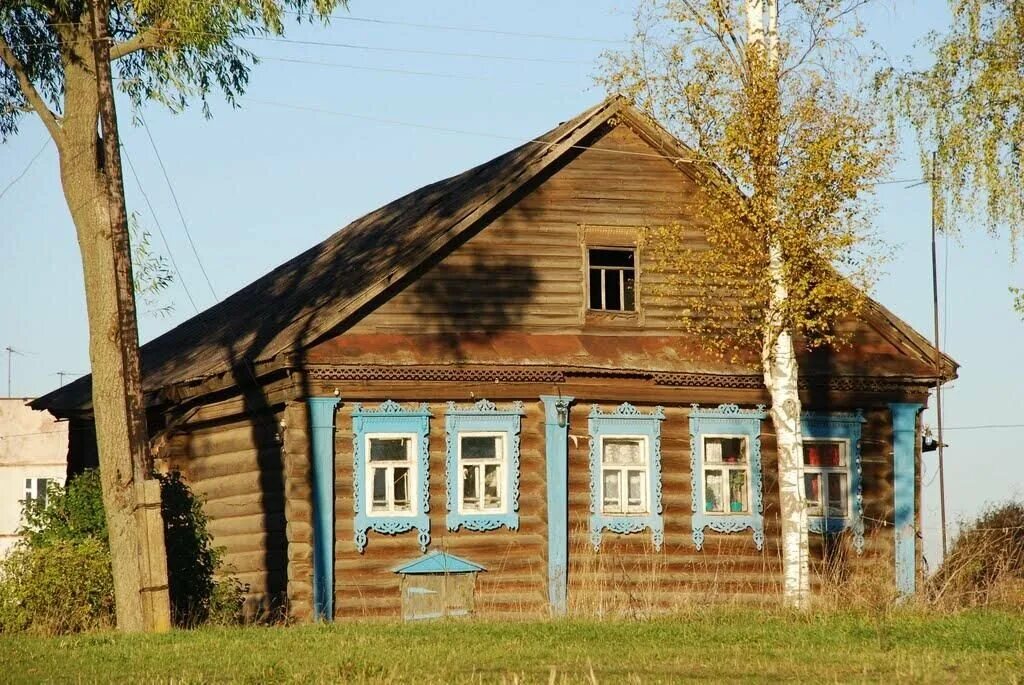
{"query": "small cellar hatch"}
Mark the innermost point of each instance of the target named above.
(438, 585)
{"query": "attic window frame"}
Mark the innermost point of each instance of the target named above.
(611, 237)
(622, 279)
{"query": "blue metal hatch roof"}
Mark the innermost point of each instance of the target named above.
(439, 562)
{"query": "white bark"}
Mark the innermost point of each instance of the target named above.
(781, 371)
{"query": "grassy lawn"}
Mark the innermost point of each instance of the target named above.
(709, 647)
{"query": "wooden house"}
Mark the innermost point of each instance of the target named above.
(484, 369)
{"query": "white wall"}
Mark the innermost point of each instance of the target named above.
(32, 445)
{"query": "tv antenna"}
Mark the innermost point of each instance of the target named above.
(10, 356)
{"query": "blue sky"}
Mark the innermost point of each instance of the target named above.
(259, 184)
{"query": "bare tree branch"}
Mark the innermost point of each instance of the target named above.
(150, 38)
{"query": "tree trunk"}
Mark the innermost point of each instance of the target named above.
(85, 188)
(778, 354)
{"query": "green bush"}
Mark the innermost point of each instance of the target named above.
(58, 578)
(197, 596)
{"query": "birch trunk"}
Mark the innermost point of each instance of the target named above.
(84, 185)
(778, 354)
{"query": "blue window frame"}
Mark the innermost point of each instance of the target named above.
(483, 466)
(625, 472)
(725, 471)
(832, 473)
(391, 471)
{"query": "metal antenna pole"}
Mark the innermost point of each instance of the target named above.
(935, 178)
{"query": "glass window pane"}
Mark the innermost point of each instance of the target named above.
(812, 491)
(622, 452)
(492, 474)
(612, 294)
(389, 449)
(612, 258)
(629, 304)
(611, 491)
(479, 447)
(714, 499)
(823, 454)
(595, 289)
(738, 492)
(470, 487)
(635, 488)
(837, 495)
(380, 488)
(727, 450)
(401, 477)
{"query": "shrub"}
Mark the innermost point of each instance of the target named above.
(197, 596)
(986, 558)
(58, 579)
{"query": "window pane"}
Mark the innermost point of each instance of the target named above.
(389, 449)
(612, 292)
(622, 452)
(727, 450)
(629, 304)
(823, 454)
(612, 258)
(470, 487)
(491, 486)
(714, 499)
(595, 289)
(477, 447)
(41, 487)
(401, 476)
(837, 495)
(738, 492)
(812, 491)
(380, 488)
(636, 484)
(611, 490)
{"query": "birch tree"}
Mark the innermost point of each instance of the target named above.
(173, 52)
(768, 94)
(968, 109)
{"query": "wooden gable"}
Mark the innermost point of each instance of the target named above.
(515, 292)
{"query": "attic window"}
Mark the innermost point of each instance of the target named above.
(612, 277)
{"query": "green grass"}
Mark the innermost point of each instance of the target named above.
(712, 646)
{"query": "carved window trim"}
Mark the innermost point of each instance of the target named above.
(391, 418)
(726, 420)
(845, 427)
(483, 417)
(626, 421)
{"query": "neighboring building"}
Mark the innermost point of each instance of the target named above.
(484, 368)
(33, 453)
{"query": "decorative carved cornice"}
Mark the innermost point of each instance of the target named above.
(549, 375)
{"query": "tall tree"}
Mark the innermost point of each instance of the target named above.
(767, 93)
(168, 51)
(969, 109)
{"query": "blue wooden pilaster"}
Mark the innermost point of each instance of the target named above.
(904, 453)
(556, 434)
(321, 420)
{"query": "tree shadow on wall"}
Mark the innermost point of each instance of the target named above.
(466, 305)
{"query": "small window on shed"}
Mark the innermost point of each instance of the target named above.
(612, 279)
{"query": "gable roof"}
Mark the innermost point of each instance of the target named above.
(438, 562)
(312, 295)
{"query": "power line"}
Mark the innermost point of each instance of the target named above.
(177, 205)
(26, 169)
(410, 72)
(469, 29)
(365, 48)
(159, 229)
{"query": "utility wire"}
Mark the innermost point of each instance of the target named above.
(467, 29)
(410, 72)
(160, 229)
(26, 169)
(177, 205)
